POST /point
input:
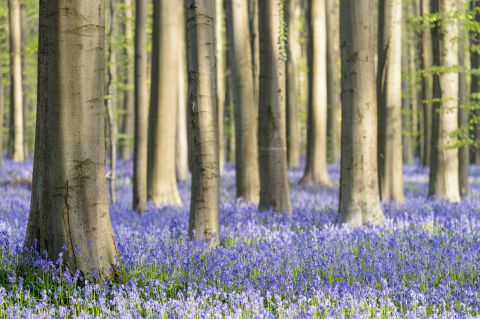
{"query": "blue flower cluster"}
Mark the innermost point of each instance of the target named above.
(423, 262)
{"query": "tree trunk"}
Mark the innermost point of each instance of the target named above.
(109, 105)
(221, 92)
(444, 179)
(389, 91)
(463, 112)
(316, 169)
(359, 189)
(427, 84)
(181, 158)
(141, 109)
(293, 66)
(254, 46)
(127, 119)
(246, 114)
(333, 80)
(162, 181)
(16, 136)
(25, 88)
(203, 117)
(69, 211)
(274, 188)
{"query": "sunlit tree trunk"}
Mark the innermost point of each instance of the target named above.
(141, 109)
(16, 133)
(359, 188)
(221, 92)
(109, 104)
(427, 84)
(316, 168)
(389, 91)
(162, 180)
(333, 79)
(69, 211)
(127, 119)
(246, 112)
(181, 158)
(204, 205)
(444, 179)
(274, 188)
(293, 67)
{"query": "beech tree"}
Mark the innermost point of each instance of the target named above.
(333, 79)
(221, 70)
(181, 150)
(162, 179)
(16, 150)
(141, 109)
(316, 169)
(274, 188)
(444, 179)
(294, 22)
(203, 117)
(69, 208)
(359, 189)
(389, 92)
(246, 112)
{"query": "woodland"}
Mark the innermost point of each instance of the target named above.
(240, 159)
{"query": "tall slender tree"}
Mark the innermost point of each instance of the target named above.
(246, 112)
(475, 81)
(427, 83)
(109, 103)
(274, 188)
(294, 22)
(359, 189)
(69, 207)
(141, 109)
(162, 181)
(316, 169)
(333, 79)
(16, 149)
(221, 70)
(444, 179)
(181, 151)
(389, 92)
(203, 117)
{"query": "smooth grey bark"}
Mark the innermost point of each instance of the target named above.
(162, 180)
(427, 84)
(69, 212)
(109, 105)
(221, 70)
(294, 23)
(389, 92)
(141, 109)
(246, 112)
(16, 149)
(334, 117)
(127, 120)
(203, 117)
(444, 179)
(463, 99)
(254, 46)
(181, 151)
(316, 168)
(359, 187)
(274, 187)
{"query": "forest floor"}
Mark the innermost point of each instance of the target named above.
(423, 262)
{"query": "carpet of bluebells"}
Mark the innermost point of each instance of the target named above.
(423, 262)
